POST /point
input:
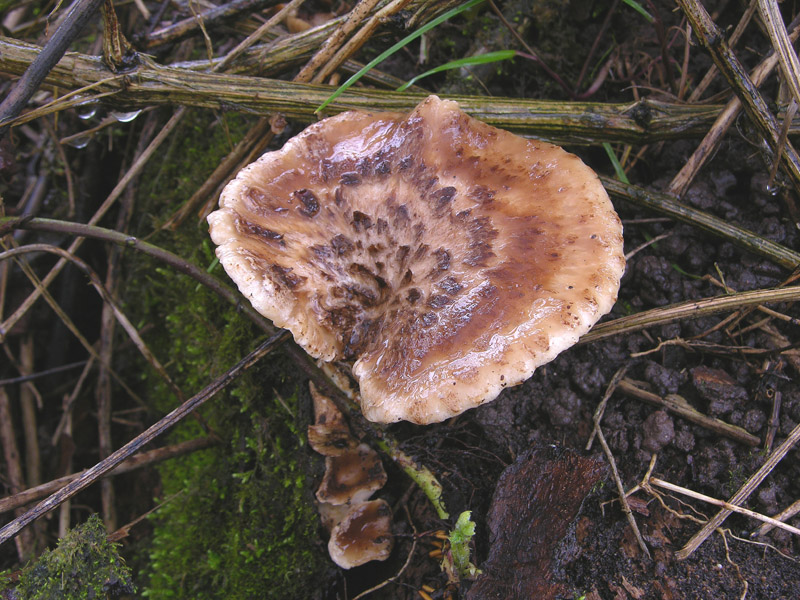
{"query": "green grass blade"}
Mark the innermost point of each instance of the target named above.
(386, 54)
(614, 161)
(640, 9)
(480, 59)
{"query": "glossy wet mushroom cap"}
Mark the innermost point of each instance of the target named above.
(448, 259)
(352, 476)
(329, 435)
(365, 534)
(361, 529)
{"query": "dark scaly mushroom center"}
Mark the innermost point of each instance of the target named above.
(391, 252)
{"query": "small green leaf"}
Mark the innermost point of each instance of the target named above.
(614, 161)
(640, 9)
(460, 539)
(462, 62)
(386, 54)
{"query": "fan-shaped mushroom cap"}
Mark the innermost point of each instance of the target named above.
(329, 435)
(447, 257)
(365, 534)
(351, 476)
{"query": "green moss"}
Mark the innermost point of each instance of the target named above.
(84, 566)
(241, 524)
(237, 520)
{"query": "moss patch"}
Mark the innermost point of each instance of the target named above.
(237, 520)
(84, 566)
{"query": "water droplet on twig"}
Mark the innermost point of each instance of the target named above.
(125, 117)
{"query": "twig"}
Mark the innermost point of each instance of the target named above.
(251, 39)
(603, 28)
(726, 505)
(134, 170)
(667, 205)
(106, 296)
(65, 423)
(679, 406)
(28, 396)
(601, 407)
(690, 309)
(38, 374)
(334, 42)
(80, 14)
(56, 307)
(144, 459)
(128, 241)
(626, 508)
(13, 466)
(737, 33)
(754, 104)
(740, 496)
(65, 165)
(681, 182)
(152, 432)
(786, 514)
(650, 242)
(359, 39)
(782, 44)
(186, 27)
(666, 60)
(568, 122)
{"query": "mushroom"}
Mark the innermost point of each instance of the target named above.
(446, 258)
(365, 534)
(361, 529)
(329, 435)
(352, 476)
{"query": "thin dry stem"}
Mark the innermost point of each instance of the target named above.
(690, 309)
(740, 496)
(786, 514)
(726, 505)
(108, 299)
(144, 459)
(621, 491)
(681, 182)
(679, 406)
(89, 476)
(130, 174)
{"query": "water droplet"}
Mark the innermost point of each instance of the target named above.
(87, 112)
(79, 142)
(125, 117)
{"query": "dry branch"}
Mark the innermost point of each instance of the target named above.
(567, 122)
(89, 476)
(679, 406)
(691, 309)
(754, 104)
(667, 205)
(144, 459)
(741, 495)
(79, 15)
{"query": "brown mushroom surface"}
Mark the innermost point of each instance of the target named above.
(365, 534)
(447, 258)
(352, 476)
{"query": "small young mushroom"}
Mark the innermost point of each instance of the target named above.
(351, 477)
(448, 259)
(329, 435)
(365, 534)
(361, 529)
